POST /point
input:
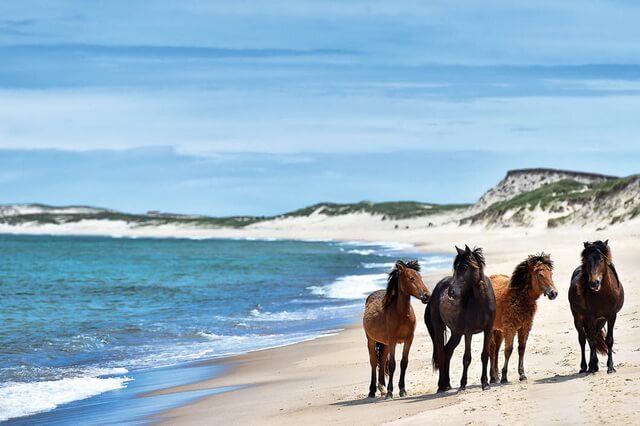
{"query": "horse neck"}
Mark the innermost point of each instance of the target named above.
(403, 300)
(532, 294)
(479, 290)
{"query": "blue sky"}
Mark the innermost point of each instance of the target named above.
(262, 107)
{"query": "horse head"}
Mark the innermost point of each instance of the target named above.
(468, 266)
(540, 269)
(596, 258)
(405, 278)
(410, 281)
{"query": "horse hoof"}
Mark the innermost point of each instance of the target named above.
(493, 380)
(582, 370)
(403, 393)
(504, 381)
(444, 389)
(389, 395)
(611, 370)
(485, 386)
(462, 388)
(371, 395)
(523, 377)
(382, 389)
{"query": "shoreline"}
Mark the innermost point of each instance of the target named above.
(329, 376)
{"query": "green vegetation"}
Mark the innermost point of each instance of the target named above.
(552, 196)
(131, 219)
(388, 210)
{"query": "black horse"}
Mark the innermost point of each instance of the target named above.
(466, 304)
(595, 296)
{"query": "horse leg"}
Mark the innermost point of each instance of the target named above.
(445, 380)
(404, 363)
(592, 335)
(523, 335)
(582, 339)
(466, 360)
(392, 366)
(508, 349)
(484, 357)
(382, 367)
(610, 324)
(494, 352)
(373, 360)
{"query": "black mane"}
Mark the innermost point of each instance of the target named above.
(474, 258)
(599, 247)
(392, 280)
(520, 276)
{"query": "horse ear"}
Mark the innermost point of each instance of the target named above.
(586, 244)
(400, 266)
(459, 250)
(467, 250)
(606, 243)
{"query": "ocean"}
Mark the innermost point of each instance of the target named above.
(91, 318)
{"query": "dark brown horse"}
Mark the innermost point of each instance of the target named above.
(388, 320)
(466, 304)
(596, 296)
(516, 304)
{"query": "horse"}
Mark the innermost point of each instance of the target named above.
(388, 320)
(516, 304)
(466, 304)
(596, 296)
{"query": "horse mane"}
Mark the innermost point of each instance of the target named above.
(392, 281)
(520, 276)
(474, 258)
(599, 247)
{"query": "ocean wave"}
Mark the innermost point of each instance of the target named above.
(351, 287)
(323, 312)
(362, 252)
(18, 399)
(378, 265)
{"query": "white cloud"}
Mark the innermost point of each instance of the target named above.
(228, 121)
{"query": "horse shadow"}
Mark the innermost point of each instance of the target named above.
(408, 399)
(559, 378)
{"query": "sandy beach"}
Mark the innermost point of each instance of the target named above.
(326, 380)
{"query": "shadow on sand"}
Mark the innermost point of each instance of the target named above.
(557, 378)
(410, 398)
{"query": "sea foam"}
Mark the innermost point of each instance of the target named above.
(351, 286)
(18, 399)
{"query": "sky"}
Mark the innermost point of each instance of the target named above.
(243, 107)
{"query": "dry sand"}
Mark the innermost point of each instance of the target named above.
(325, 381)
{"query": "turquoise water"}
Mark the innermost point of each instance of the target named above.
(81, 316)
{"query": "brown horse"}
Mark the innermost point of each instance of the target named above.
(596, 296)
(516, 304)
(466, 304)
(389, 319)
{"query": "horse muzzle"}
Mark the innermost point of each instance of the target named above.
(551, 294)
(595, 285)
(425, 298)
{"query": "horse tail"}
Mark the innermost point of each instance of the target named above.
(380, 354)
(430, 328)
(601, 344)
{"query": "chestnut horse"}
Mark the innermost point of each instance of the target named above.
(466, 304)
(516, 304)
(389, 319)
(595, 296)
